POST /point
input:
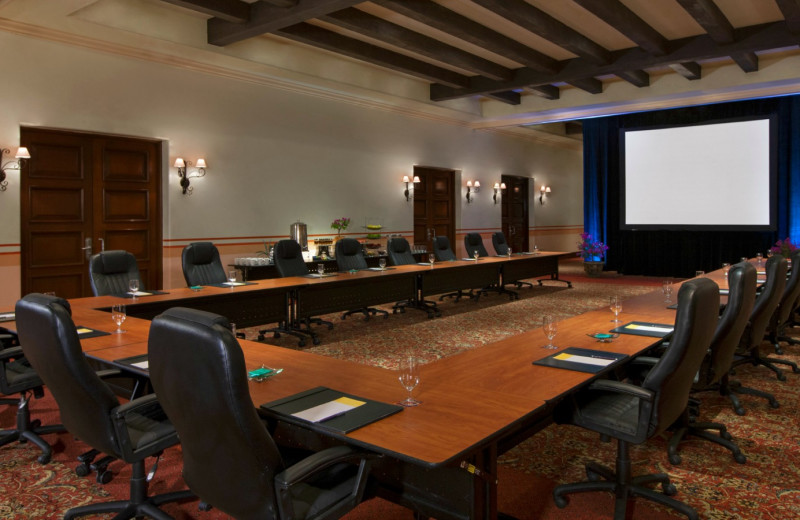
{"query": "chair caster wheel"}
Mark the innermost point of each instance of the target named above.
(386, 316)
(104, 477)
(276, 335)
(781, 377)
(316, 341)
(203, 506)
(260, 337)
(739, 411)
(795, 370)
(675, 459)
(774, 404)
(366, 318)
(35, 424)
(725, 435)
(44, 458)
(591, 476)
(740, 458)
(82, 470)
(301, 344)
(561, 502)
(670, 489)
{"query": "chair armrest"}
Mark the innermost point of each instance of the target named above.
(140, 404)
(319, 461)
(644, 360)
(108, 372)
(11, 353)
(619, 387)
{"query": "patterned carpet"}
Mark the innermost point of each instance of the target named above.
(766, 487)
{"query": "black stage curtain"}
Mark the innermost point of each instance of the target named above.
(681, 253)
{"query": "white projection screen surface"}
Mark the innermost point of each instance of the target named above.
(703, 176)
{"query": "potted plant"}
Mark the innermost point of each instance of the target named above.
(784, 248)
(592, 251)
(340, 224)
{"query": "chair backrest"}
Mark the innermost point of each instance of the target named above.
(672, 377)
(110, 271)
(788, 302)
(198, 372)
(288, 258)
(349, 255)
(202, 265)
(399, 251)
(499, 243)
(50, 343)
(765, 304)
(741, 297)
(473, 242)
(442, 249)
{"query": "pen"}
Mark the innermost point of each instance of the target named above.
(334, 416)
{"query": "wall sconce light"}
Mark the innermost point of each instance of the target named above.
(408, 181)
(21, 156)
(185, 175)
(472, 187)
(544, 189)
(497, 187)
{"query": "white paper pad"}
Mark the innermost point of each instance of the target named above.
(586, 360)
(141, 364)
(327, 410)
(140, 293)
(649, 328)
(227, 283)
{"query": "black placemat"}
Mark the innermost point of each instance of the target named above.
(578, 359)
(227, 285)
(637, 328)
(88, 332)
(141, 294)
(317, 275)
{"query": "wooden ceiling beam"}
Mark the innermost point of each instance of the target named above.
(537, 21)
(618, 16)
(747, 61)
(791, 12)
(767, 36)
(510, 97)
(265, 18)
(331, 41)
(232, 11)
(590, 85)
(546, 91)
(454, 24)
(368, 25)
(637, 78)
(688, 69)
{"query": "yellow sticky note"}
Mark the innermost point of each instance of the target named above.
(563, 357)
(632, 326)
(84, 330)
(350, 402)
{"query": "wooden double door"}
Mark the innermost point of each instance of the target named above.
(514, 212)
(84, 193)
(434, 206)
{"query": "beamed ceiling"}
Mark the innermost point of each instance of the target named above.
(507, 49)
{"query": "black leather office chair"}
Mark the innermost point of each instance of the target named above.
(132, 432)
(110, 272)
(288, 258)
(444, 253)
(473, 242)
(632, 414)
(501, 248)
(18, 377)
(202, 265)
(715, 368)
(782, 318)
(350, 257)
(399, 252)
(767, 302)
(229, 458)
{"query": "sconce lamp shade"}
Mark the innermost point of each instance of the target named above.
(406, 179)
(22, 153)
(201, 163)
(416, 179)
(180, 163)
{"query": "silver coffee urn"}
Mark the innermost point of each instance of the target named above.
(299, 233)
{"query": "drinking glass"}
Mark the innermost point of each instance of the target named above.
(232, 277)
(118, 316)
(409, 378)
(549, 327)
(698, 274)
(320, 268)
(770, 253)
(382, 263)
(475, 255)
(666, 288)
(133, 286)
(535, 249)
(725, 268)
(744, 259)
(509, 251)
(759, 258)
(615, 304)
(431, 258)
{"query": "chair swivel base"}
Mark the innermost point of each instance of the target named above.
(368, 312)
(461, 294)
(100, 466)
(786, 339)
(421, 305)
(29, 431)
(735, 387)
(297, 332)
(512, 295)
(554, 278)
(624, 486)
(700, 430)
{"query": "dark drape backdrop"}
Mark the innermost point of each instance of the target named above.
(681, 253)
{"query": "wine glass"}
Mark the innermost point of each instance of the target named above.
(409, 378)
(118, 316)
(475, 255)
(320, 269)
(698, 274)
(759, 258)
(725, 268)
(509, 251)
(615, 304)
(431, 258)
(382, 263)
(232, 277)
(550, 328)
(133, 286)
(666, 288)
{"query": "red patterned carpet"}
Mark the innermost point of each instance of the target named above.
(766, 487)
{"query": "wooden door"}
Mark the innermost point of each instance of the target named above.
(434, 206)
(80, 194)
(515, 212)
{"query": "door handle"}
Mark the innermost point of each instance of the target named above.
(87, 248)
(102, 244)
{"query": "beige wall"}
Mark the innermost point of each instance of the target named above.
(274, 156)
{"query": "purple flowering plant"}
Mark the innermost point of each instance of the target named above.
(340, 224)
(590, 249)
(784, 247)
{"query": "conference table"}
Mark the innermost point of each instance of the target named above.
(439, 458)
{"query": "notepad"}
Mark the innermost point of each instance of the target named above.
(641, 328)
(233, 283)
(140, 293)
(586, 360)
(328, 410)
(87, 332)
(649, 328)
(581, 359)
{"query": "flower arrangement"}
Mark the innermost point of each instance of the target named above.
(784, 247)
(340, 224)
(591, 249)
